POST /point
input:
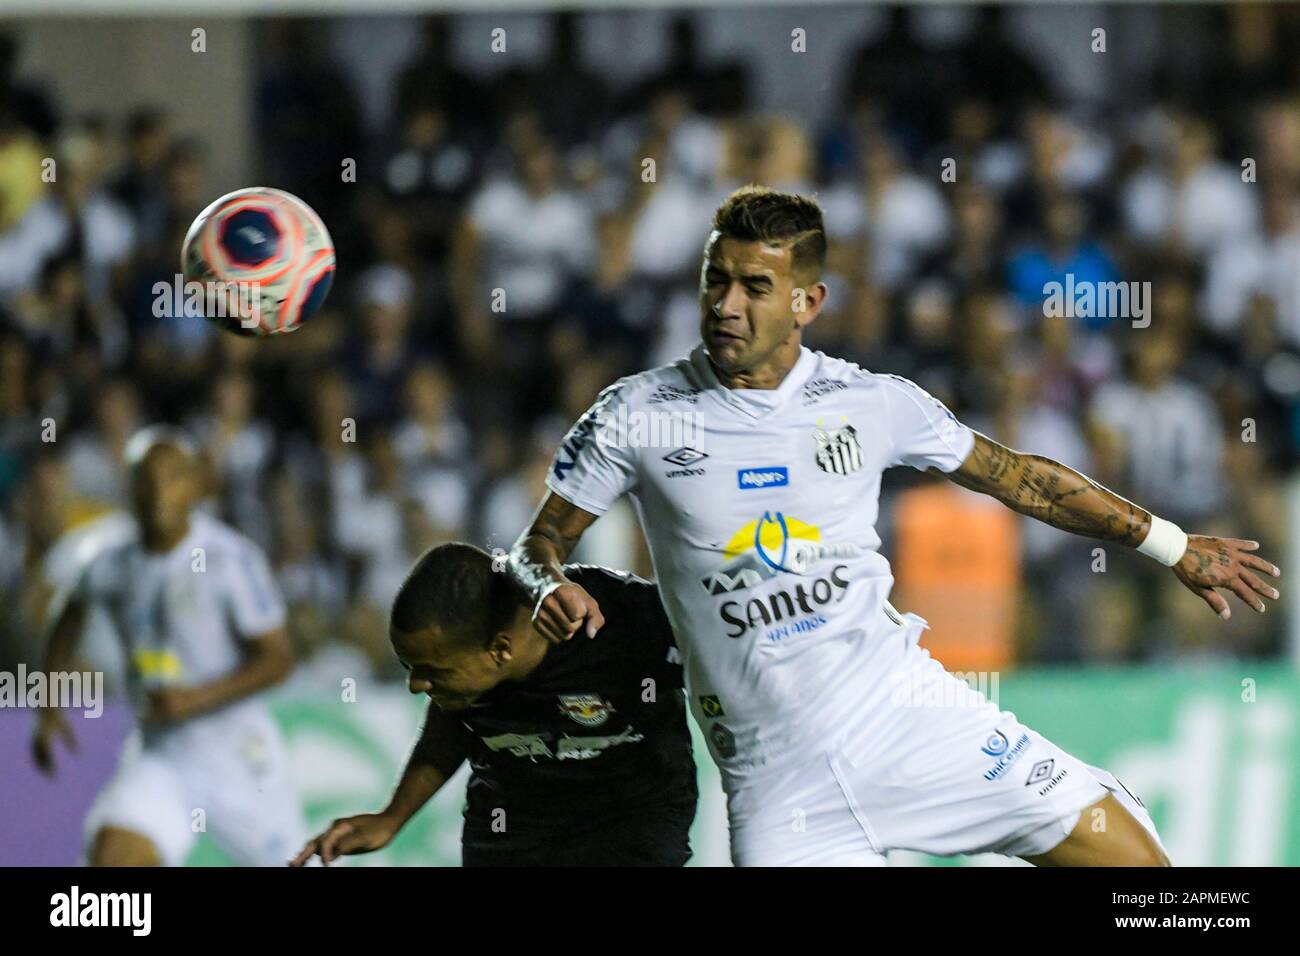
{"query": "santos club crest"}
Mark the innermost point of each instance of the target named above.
(838, 451)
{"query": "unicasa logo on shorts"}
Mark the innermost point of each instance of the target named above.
(776, 544)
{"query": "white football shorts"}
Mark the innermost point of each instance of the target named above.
(932, 766)
(224, 774)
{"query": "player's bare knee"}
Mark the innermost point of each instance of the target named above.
(1151, 853)
(1140, 847)
(114, 846)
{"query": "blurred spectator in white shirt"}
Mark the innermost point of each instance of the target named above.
(1266, 264)
(1188, 198)
(1166, 430)
(524, 234)
(79, 217)
(432, 428)
(94, 463)
(302, 569)
(240, 448)
(432, 446)
(906, 215)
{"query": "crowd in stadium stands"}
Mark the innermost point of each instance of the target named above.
(534, 182)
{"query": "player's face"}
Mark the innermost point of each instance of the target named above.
(164, 487)
(450, 675)
(747, 302)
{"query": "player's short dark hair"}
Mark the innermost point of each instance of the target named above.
(760, 213)
(455, 588)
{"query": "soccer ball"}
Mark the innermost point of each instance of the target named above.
(263, 259)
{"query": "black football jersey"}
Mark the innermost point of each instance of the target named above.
(595, 734)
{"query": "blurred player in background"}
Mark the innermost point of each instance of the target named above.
(813, 692)
(580, 752)
(202, 625)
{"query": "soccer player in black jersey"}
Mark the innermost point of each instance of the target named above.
(580, 752)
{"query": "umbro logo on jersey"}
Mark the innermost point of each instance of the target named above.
(838, 450)
(685, 457)
(748, 478)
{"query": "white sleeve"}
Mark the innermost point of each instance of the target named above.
(923, 432)
(88, 582)
(594, 466)
(80, 585)
(256, 605)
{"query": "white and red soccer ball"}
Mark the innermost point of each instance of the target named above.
(264, 258)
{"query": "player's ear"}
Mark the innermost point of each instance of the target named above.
(500, 649)
(806, 302)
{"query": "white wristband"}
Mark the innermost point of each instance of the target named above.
(1165, 541)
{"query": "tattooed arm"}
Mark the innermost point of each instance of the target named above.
(559, 605)
(1060, 496)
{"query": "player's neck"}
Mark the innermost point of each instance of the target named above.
(529, 646)
(164, 542)
(768, 374)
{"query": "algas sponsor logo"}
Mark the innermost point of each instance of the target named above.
(777, 477)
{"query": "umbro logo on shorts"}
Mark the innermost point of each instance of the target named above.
(1040, 772)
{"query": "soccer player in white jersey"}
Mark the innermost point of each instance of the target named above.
(202, 626)
(837, 736)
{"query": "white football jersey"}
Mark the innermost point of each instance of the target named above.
(759, 507)
(181, 615)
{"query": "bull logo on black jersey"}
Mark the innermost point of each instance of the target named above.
(838, 449)
(590, 710)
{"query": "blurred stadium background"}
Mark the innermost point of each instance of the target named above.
(522, 170)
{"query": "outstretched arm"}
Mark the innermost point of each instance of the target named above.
(1058, 495)
(437, 755)
(559, 605)
(50, 725)
(268, 659)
